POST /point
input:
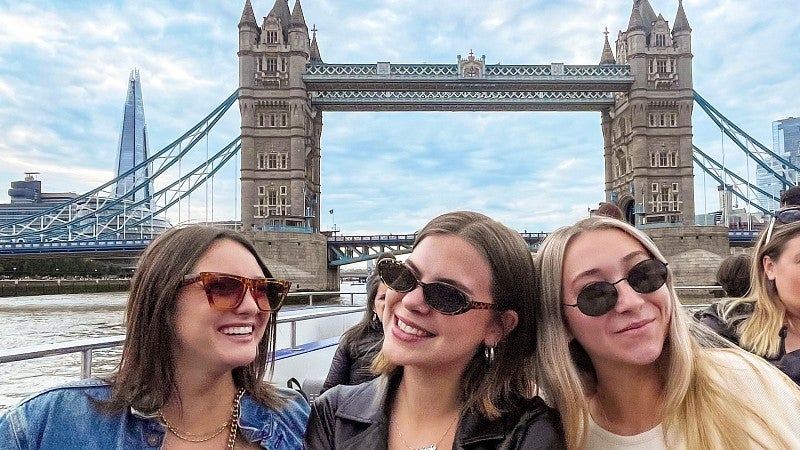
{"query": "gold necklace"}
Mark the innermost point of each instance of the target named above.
(433, 446)
(233, 422)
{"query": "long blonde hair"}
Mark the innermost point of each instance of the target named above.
(759, 333)
(698, 406)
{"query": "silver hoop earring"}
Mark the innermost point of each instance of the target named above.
(488, 354)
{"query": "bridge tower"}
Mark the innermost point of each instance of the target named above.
(648, 133)
(280, 135)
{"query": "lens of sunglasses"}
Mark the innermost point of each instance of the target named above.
(227, 292)
(788, 215)
(442, 297)
(600, 297)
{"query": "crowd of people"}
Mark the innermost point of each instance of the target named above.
(469, 342)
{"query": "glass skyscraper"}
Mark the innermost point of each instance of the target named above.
(785, 142)
(133, 145)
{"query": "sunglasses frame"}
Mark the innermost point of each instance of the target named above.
(776, 217)
(247, 283)
(613, 285)
(467, 305)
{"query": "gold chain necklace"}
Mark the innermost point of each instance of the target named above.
(433, 446)
(233, 422)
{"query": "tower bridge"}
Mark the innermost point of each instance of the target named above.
(642, 88)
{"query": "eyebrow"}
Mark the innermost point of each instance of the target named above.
(627, 258)
(448, 281)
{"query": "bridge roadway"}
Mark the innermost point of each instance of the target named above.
(342, 250)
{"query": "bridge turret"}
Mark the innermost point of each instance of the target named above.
(607, 57)
(681, 31)
(298, 31)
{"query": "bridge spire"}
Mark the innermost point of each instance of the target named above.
(681, 23)
(248, 18)
(607, 57)
(314, 55)
(298, 20)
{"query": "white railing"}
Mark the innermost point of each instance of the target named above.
(86, 346)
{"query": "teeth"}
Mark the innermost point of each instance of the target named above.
(411, 330)
(237, 330)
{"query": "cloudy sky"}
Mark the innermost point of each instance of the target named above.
(64, 67)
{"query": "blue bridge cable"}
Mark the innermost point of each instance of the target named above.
(725, 125)
(208, 122)
(716, 177)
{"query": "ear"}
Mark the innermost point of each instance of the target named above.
(769, 267)
(499, 329)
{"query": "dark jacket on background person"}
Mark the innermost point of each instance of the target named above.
(788, 363)
(353, 359)
(354, 417)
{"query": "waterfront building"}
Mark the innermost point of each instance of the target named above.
(786, 143)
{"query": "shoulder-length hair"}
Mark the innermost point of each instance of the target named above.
(760, 332)
(698, 405)
(488, 389)
(368, 322)
(145, 377)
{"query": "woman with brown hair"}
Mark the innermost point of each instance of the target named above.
(200, 325)
(458, 336)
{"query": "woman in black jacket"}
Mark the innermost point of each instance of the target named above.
(455, 365)
(359, 344)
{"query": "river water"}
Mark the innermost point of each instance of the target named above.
(49, 319)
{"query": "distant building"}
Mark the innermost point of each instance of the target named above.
(133, 145)
(786, 143)
(27, 199)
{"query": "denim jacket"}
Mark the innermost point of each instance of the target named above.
(65, 418)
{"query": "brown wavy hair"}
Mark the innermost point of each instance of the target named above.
(145, 377)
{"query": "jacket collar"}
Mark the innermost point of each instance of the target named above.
(367, 404)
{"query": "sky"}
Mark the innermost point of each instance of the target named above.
(64, 69)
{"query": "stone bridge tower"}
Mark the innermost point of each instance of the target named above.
(280, 154)
(648, 133)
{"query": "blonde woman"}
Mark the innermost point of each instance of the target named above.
(767, 323)
(617, 359)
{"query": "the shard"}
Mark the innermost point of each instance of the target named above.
(134, 146)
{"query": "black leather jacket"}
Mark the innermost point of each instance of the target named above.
(352, 360)
(789, 363)
(354, 418)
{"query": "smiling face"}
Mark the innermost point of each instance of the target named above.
(380, 300)
(218, 340)
(634, 331)
(415, 335)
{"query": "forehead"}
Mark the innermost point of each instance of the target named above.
(597, 248)
(447, 257)
(226, 255)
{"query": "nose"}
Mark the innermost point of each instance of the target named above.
(248, 304)
(414, 300)
(627, 298)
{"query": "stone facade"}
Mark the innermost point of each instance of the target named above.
(694, 252)
(648, 133)
(280, 154)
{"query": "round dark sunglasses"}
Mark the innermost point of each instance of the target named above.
(442, 297)
(600, 297)
(225, 292)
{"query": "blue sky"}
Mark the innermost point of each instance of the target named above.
(64, 68)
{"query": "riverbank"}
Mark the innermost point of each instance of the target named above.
(26, 287)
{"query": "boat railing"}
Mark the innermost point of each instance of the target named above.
(86, 346)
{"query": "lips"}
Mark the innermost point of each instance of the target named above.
(412, 329)
(636, 325)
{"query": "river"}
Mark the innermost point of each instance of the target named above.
(48, 319)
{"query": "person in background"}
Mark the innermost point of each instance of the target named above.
(609, 210)
(200, 334)
(767, 323)
(458, 337)
(733, 275)
(618, 359)
(790, 197)
(358, 345)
